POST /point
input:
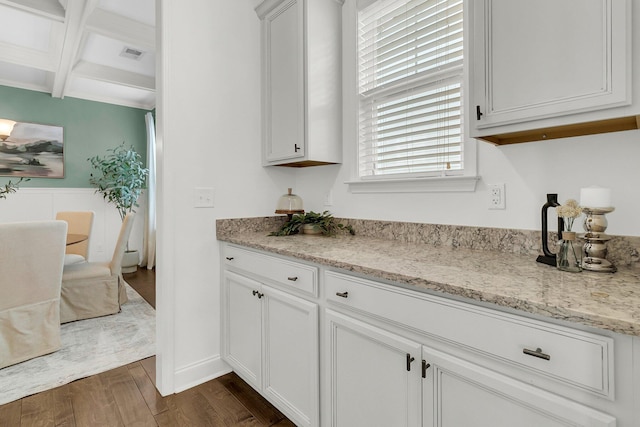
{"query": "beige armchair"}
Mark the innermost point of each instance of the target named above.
(31, 262)
(79, 222)
(92, 289)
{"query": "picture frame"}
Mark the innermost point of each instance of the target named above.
(31, 150)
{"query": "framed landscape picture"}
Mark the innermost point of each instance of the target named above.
(32, 150)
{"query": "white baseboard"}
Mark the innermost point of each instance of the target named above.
(200, 372)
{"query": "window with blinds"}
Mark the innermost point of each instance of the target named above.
(410, 81)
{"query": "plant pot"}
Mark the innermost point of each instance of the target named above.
(311, 229)
(130, 261)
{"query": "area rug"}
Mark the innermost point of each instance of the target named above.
(89, 347)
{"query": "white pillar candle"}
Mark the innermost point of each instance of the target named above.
(595, 197)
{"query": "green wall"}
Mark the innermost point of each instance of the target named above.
(89, 129)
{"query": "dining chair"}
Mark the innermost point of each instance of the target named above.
(93, 289)
(80, 222)
(31, 257)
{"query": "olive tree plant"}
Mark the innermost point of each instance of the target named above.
(11, 187)
(120, 177)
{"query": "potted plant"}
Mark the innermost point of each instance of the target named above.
(312, 223)
(120, 177)
(11, 187)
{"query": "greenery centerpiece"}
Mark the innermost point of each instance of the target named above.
(11, 187)
(322, 223)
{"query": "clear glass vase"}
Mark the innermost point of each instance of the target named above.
(569, 256)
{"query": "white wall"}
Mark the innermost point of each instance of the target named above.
(529, 171)
(209, 136)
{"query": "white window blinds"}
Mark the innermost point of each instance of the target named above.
(410, 77)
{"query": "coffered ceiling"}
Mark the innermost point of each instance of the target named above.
(100, 50)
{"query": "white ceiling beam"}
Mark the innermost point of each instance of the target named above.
(50, 9)
(27, 57)
(142, 103)
(24, 85)
(107, 74)
(77, 12)
(121, 28)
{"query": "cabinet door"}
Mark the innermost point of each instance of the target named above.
(290, 330)
(241, 323)
(547, 58)
(459, 393)
(373, 380)
(284, 82)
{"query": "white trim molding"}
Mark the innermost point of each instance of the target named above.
(200, 372)
(416, 185)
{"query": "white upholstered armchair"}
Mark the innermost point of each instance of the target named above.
(31, 260)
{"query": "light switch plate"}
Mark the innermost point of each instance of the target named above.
(328, 198)
(203, 197)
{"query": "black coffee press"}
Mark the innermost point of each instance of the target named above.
(548, 257)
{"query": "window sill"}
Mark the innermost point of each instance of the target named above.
(449, 184)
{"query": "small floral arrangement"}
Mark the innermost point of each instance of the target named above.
(569, 256)
(569, 212)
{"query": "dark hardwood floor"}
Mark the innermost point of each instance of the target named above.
(144, 282)
(126, 396)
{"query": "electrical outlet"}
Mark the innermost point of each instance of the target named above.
(496, 196)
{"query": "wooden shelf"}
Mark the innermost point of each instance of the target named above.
(578, 129)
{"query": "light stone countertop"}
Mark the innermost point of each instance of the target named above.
(601, 300)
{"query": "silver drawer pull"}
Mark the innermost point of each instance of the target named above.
(293, 279)
(229, 258)
(342, 294)
(536, 353)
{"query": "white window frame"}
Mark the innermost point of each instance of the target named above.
(464, 180)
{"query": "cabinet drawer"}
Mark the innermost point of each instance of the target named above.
(580, 359)
(301, 277)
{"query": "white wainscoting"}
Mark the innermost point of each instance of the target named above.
(33, 204)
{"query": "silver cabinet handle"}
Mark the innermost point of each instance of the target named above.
(293, 279)
(343, 294)
(536, 353)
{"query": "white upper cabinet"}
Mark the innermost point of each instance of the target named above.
(301, 82)
(549, 68)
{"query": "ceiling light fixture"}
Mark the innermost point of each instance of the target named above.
(6, 127)
(131, 53)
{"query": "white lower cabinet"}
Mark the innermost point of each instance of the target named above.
(271, 341)
(379, 378)
(375, 375)
(243, 327)
(460, 393)
(393, 357)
